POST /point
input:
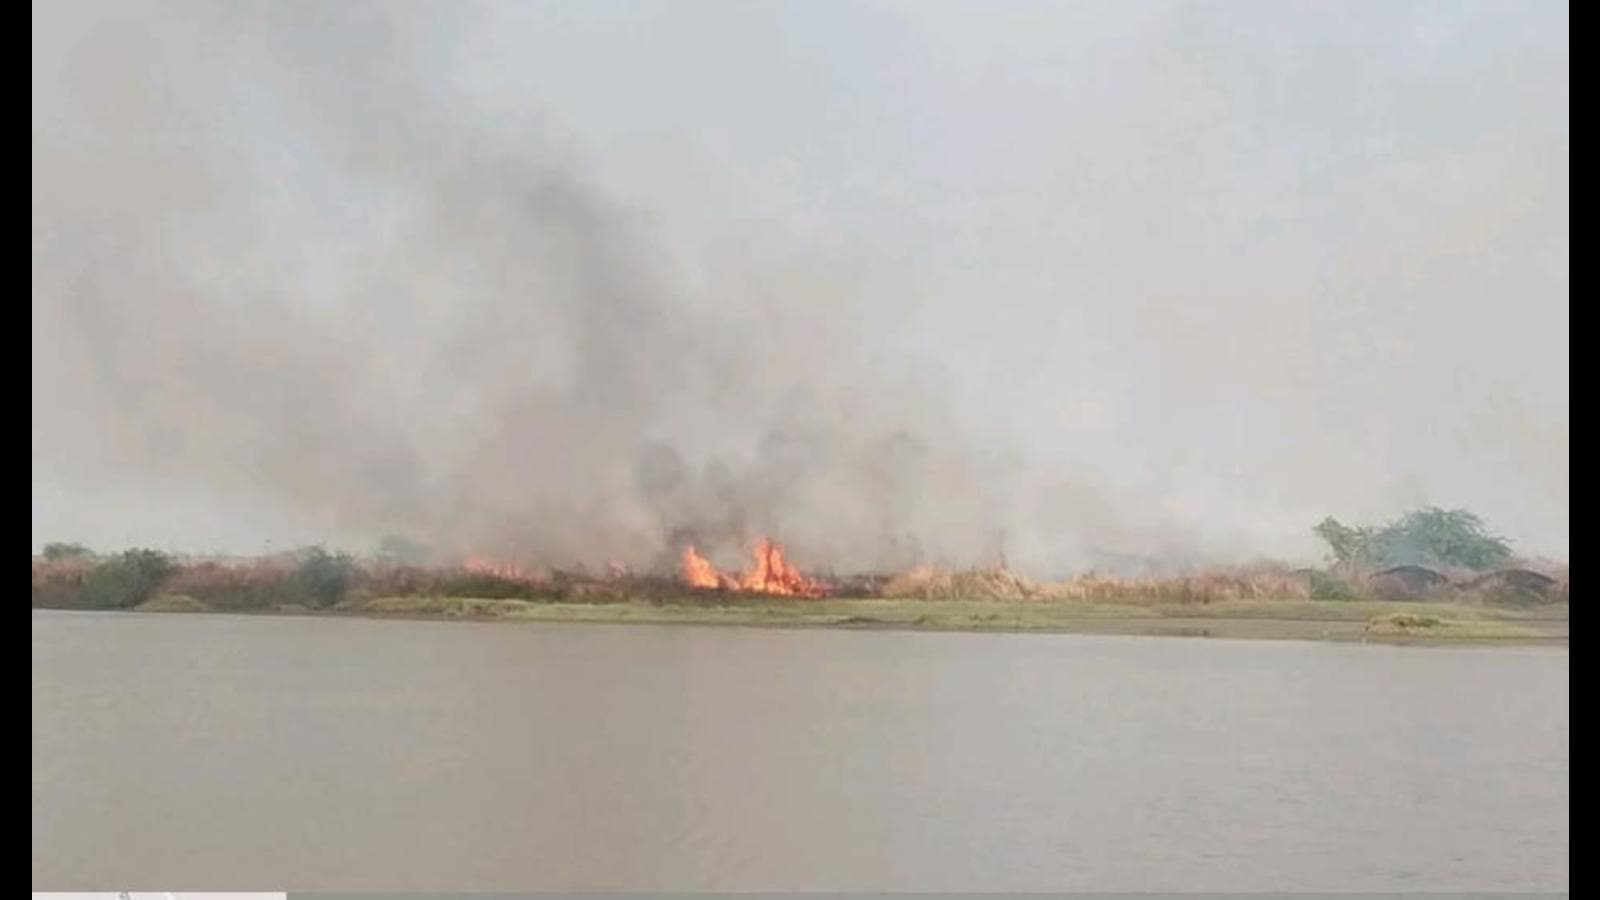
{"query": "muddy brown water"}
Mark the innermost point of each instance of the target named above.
(247, 752)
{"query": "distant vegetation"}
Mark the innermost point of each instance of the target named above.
(1429, 554)
(1434, 554)
(323, 578)
(79, 580)
(316, 579)
(311, 578)
(1433, 537)
(58, 552)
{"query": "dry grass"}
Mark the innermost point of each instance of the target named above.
(958, 584)
(1216, 586)
(257, 584)
(59, 579)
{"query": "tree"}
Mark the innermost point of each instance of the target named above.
(1436, 536)
(1429, 537)
(1347, 545)
(56, 552)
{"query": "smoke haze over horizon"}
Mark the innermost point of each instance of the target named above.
(892, 282)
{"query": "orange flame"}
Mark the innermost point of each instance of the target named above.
(699, 572)
(774, 575)
(771, 574)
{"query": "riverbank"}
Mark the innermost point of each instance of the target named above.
(1409, 623)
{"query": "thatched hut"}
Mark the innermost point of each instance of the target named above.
(1407, 582)
(1516, 585)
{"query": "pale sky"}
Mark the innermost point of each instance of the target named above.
(1205, 272)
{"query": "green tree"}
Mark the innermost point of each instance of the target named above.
(1430, 537)
(1346, 545)
(1434, 536)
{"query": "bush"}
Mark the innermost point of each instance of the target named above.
(126, 581)
(323, 578)
(1330, 587)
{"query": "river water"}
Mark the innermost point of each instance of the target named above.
(239, 752)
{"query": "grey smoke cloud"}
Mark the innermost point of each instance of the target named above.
(572, 283)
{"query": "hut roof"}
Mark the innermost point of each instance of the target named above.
(1416, 575)
(1520, 579)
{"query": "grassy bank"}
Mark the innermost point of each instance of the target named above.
(1263, 602)
(1288, 620)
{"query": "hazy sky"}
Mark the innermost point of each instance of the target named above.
(1147, 277)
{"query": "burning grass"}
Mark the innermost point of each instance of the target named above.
(770, 573)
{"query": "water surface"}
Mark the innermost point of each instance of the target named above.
(244, 752)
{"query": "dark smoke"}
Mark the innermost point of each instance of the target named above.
(501, 363)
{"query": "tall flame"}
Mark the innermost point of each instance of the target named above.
(771, 574)
(699, 572)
